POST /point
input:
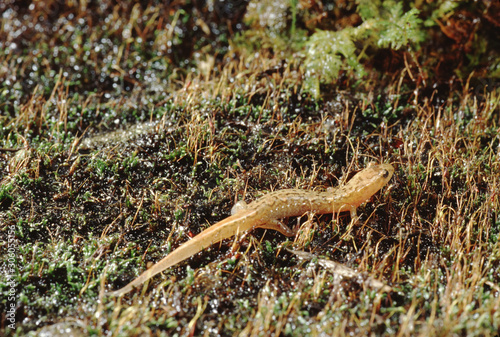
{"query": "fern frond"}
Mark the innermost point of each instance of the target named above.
(400, 29)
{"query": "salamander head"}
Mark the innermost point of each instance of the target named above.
(366, 183)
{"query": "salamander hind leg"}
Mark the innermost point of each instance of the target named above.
(239, 206)
(354, 214)
(278, 226)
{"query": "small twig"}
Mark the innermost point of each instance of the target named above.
(342, 270)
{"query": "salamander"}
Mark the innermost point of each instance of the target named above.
(266, 212)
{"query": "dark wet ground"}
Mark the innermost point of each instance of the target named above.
(127, 128)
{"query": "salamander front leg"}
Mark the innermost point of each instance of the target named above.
(279, 226)
(354, 221)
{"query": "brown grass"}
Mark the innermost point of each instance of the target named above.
(104, 172)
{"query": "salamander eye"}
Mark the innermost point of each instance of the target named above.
(385, 174)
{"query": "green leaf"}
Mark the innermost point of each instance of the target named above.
(400, 29)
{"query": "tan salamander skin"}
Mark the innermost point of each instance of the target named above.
(266, 212)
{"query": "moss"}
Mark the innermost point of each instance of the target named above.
(128, 129)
